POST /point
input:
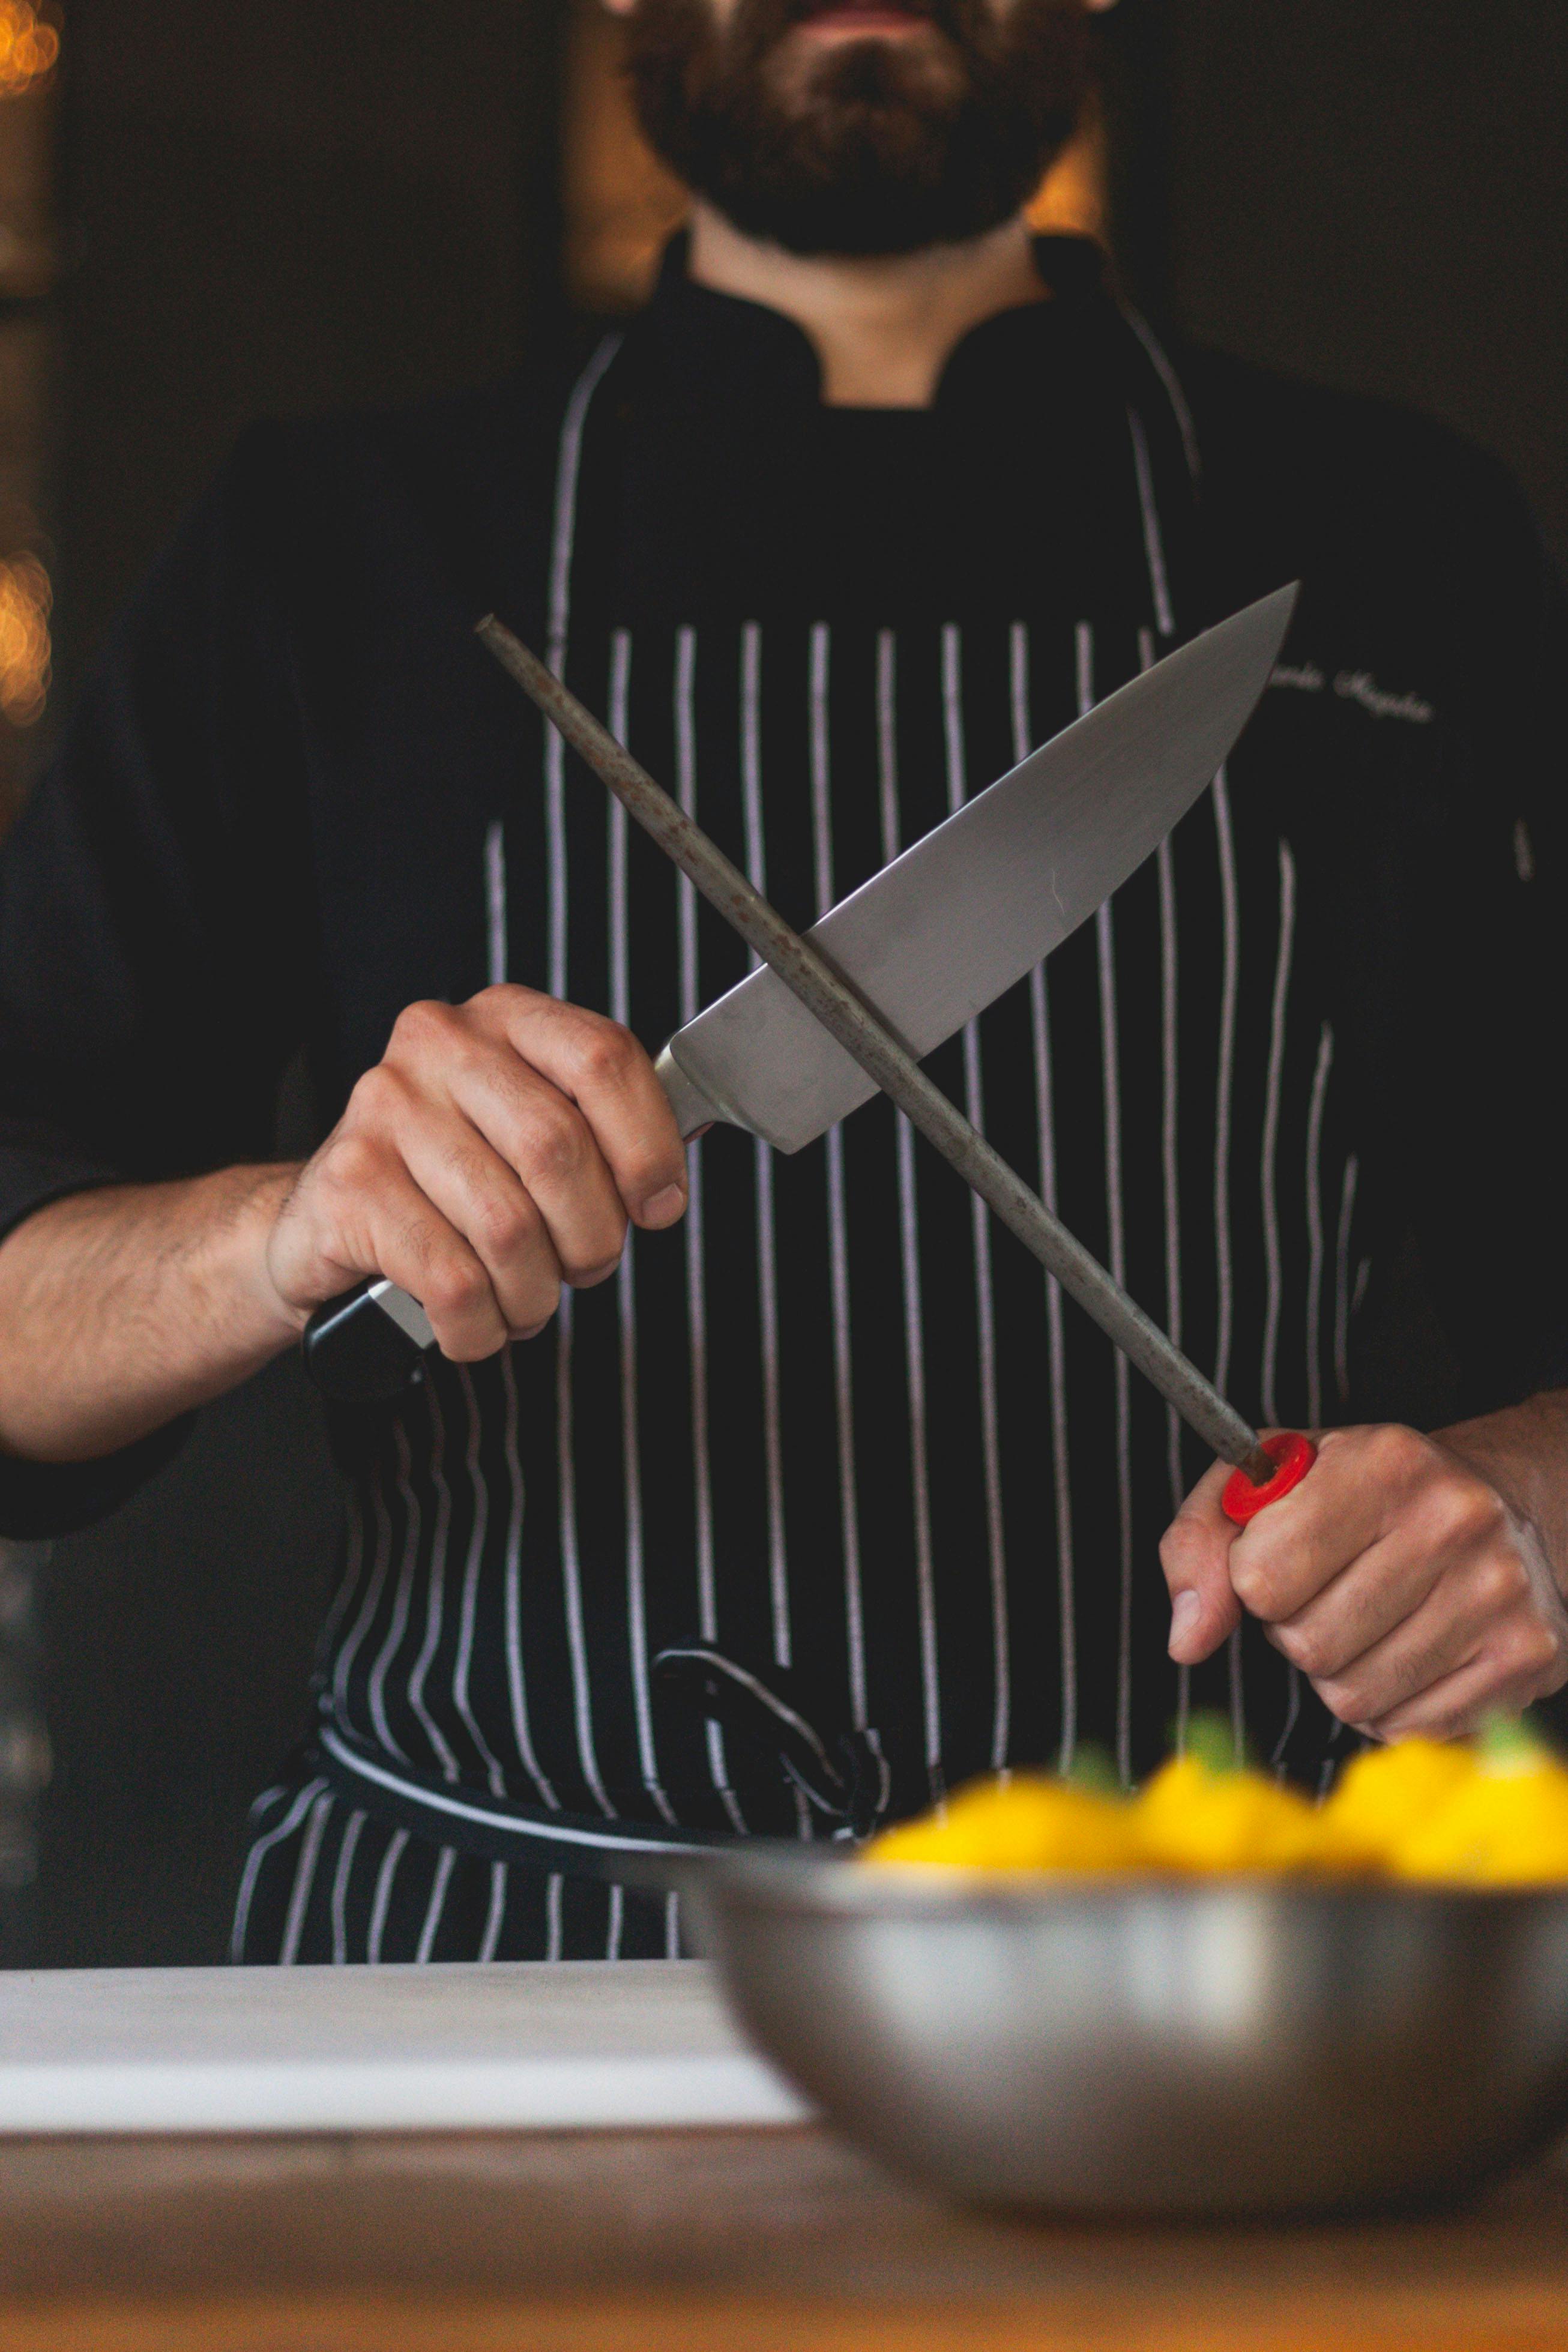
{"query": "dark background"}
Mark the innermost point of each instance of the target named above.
(303, 205)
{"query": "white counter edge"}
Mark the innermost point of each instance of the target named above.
(565, 2093)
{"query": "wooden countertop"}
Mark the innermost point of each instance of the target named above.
(765, 2241)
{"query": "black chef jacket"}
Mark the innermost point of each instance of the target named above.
(835, 1433)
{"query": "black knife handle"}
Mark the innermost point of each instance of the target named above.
(355, 1352)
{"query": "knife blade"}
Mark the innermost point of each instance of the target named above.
(927, 943)
(954, 922)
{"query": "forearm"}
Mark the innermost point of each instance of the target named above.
(1522, 1451)
(122, 1309)
(500, 1148)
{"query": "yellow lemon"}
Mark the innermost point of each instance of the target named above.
(1505, 1825)
(1192, 1818)
(1495, 1815)
(1385, 1794)
(1028, 1822)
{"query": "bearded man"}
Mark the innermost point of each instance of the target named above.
(814, 1499)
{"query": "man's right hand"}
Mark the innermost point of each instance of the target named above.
(498, 1149)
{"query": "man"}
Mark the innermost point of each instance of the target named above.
(788, 1519)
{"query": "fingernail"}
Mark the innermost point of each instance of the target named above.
(1186, 1611)
(664, 1207)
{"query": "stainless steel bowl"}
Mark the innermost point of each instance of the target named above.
(1157, 2047)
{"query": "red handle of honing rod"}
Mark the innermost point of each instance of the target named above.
(1295, 1455)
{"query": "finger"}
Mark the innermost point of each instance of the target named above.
(1365, 1603)
(483, 1200)
(463, 1057)
(1489, 1615)
(1458, 1704)
(416, 1247)
(357, 1211)
(1442, 1637)
(1194, 1553)
(548, 1142)
(1361, 1484)
(601, 1068)
(451, 1063)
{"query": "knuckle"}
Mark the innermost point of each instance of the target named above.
(425, 1025)
(1258, 1588)
(1499, 1581)
(1545, 1664)
(1471, 1512)
(1398, 1453)
(500, 1000)
(504, 1227)
(1532, 1649)
(604, 1054)
(377, 1092)
(455, 1288)
(353, 1163)
(555, 1144)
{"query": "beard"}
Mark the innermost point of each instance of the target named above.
(859, 147)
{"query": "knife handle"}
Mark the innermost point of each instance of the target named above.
(368, 1345)
(1294, 1455)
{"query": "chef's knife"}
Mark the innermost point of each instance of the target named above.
(1266, 1469)
(924, 946)
(942, 931)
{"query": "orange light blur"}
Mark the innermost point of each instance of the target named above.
(28, 47)
(26, 599)
(621, 204)
(1071, 200)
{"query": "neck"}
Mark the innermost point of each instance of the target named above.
(882, 328)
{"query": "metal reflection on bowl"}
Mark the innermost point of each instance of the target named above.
(1153, 2047)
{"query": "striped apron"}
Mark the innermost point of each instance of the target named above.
(827, 1501)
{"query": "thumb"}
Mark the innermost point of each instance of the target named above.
(1194, 1553)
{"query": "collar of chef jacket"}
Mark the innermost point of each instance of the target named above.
(707, 454)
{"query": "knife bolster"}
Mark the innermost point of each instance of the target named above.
(693, 1109)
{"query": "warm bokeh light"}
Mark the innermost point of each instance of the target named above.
(621, 203)
(28, 47)
(25, 599)
(1071, 201)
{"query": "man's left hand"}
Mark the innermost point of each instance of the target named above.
(1416, 1581)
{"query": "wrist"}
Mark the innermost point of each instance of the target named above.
(1522, 1454)
(256, 1201)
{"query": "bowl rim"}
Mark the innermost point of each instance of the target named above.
(777, 1876)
